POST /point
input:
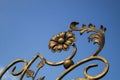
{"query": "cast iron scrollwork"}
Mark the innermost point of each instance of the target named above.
(63, 41)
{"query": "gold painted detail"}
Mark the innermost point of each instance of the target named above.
(63, 41)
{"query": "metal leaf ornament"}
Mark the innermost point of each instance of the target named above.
(41, 64)
(29, 73)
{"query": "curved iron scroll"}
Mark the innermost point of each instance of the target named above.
(63, 41)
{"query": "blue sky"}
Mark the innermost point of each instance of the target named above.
(26, 27)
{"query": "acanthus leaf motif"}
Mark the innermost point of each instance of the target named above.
(41, 64)
(96, 37)
(30, 73)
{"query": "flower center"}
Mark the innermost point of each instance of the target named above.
(61, 40)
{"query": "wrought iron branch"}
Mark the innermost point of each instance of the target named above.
(63, 41)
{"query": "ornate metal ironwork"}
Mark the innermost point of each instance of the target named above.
(63, 41)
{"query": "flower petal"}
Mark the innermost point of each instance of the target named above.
(61, 40)
(65, 47)
(62, 34)
(68, 42)
(52, 44)
(54, 49)
(59, 48)
(55, 38)
(72, 39)
(69, 34)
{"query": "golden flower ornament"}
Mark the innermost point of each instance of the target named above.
(62, 41)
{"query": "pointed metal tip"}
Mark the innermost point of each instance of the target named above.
(90, 25)
(101, 26)
(81, 33)
(83, 25)
(74, 22)
(105, 29)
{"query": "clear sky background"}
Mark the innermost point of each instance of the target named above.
(26, 27)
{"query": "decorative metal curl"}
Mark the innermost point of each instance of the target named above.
(63, 41)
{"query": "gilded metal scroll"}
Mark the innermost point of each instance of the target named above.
(58, 43)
